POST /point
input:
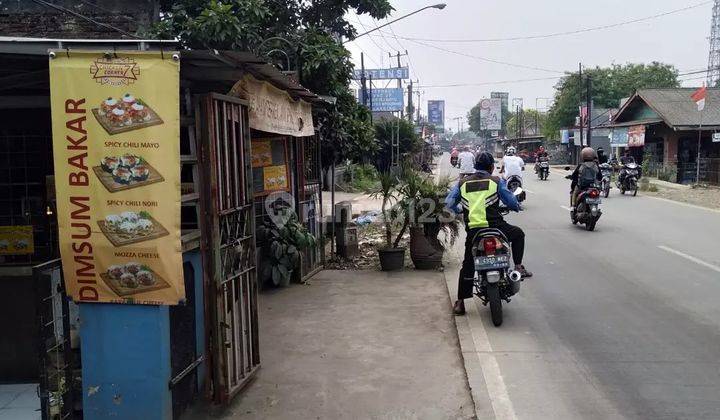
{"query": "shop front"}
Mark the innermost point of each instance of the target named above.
(185, 327)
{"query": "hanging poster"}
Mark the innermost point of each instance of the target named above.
(116, 148)
(636, 136)
(270, 166)
(16, 240)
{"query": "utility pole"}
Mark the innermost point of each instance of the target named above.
(588, 85)
(399, 81)
(410, 107)
(371, 100)
(363, 89)
(580, 101)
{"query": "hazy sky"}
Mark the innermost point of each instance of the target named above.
(680, 39)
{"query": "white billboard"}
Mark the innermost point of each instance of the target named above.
(491, 114)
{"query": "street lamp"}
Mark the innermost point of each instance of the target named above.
(438, 6)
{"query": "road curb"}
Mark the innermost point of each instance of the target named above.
(473, 368)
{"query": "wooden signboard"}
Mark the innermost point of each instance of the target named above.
(106, 178)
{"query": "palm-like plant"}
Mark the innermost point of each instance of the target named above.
(387, 190)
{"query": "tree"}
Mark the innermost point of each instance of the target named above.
(410, 142)
(312, 32)
(609, 86)
(532, 123)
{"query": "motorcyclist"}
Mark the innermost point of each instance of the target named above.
(602, 157)
(585, 174)
(466, 161)
(478, 197)
(626, 159)
(541, 156)
(512, 165)
(454, 156)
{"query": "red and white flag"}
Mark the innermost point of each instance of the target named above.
(699, 97)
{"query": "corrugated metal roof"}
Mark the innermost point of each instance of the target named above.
(254, 65)
(677, 109)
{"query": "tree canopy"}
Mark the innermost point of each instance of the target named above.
(609, 86)
(311, 35)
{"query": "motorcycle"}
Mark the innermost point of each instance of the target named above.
(514, 183)
(629, 181)
(587, 209)
(494, 281)
(543, 170)
(606, 169)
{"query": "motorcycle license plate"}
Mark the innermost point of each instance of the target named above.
(494, 262)
(592, 200)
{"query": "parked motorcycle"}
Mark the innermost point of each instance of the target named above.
(630, 176)
(514, 183)
(606, 169)
(543, 170)
(494, 281)
(587, 209)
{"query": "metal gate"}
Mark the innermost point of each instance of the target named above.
(57, 382)
(229, 242)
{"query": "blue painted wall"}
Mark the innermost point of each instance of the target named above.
(126, 361)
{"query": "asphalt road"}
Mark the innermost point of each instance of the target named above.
(622, 322)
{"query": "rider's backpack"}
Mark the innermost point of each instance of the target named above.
(587, 174)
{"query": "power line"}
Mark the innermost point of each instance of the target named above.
(373, 41)
(529, 80)
(81, 16)
(112, 12)
(489, 60)
(565, 33)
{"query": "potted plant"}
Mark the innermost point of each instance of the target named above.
(392, 256)
(429, 218)
(282, 249)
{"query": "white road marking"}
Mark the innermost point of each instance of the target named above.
(499, 396)
(566, 208)
(690, 258)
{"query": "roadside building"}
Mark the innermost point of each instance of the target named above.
(208, 345)
(665, 126)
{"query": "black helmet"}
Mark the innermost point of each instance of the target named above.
(483, 161)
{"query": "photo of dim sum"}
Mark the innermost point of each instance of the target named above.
(118, 173)
(120, 115)
(132, 278)
(131, 227)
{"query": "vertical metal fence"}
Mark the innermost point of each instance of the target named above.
(57, 362)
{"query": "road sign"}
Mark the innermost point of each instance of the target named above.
(436, 114)
(383, 74)
(716, 138)
(385, 99)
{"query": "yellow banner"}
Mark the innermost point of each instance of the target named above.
(16, 240)
(116, 131)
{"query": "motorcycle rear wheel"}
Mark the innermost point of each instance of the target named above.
(590, 225)
(493, 297)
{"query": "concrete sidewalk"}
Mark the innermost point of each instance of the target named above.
(358, 345)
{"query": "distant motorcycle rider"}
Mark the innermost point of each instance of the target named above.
(478, 197)
(541, 156)
(585, 174)
(602, 157)
(626, 159)
(512, 165)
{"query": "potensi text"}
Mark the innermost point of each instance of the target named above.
(79, 201)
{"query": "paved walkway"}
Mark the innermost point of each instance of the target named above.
(358, 345)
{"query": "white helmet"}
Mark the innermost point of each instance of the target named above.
(510, 151)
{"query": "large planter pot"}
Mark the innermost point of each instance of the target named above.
(424, 255)
(391, 259)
